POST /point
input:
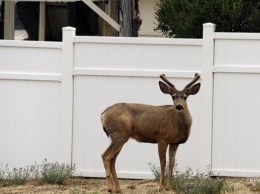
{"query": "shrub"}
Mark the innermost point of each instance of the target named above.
(199, 183)
(156, 171)
(54, 173)
(255, 187)
(17, 176)
(194, 183)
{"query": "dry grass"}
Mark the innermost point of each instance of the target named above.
(98, 186)
(243, 186)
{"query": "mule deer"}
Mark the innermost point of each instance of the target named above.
(164, 125)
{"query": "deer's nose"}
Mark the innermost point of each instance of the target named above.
(179, 107)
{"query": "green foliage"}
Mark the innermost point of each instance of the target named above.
(152, 191)
(199, 183)
(194, 183)
(54, 173)
(184, 18)
(17, 176)
(156, 171)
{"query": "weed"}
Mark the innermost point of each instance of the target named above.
(52, 173)
(194, 183)
(95, 192)
(255, 187)
(152, 191)
(77, 190)
(17, 176)
(131, 187)
(55, 173)
(156, 171)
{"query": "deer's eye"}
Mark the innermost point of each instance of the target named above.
(185, 97)
(173, 96)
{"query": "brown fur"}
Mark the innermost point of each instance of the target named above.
(165, 125)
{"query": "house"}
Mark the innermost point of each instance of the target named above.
(44, 20)
(147, 10)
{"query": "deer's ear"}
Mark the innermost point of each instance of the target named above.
(165, 88)
(194, 89)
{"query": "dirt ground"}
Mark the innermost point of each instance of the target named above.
(98, 186)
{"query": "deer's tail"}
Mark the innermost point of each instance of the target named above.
(102, 120)
(105, 131)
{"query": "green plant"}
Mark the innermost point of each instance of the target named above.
(55, 173)
(152, 191)
(255, 187)
(195, 183)
(199, 183)
(52, 173)
(17, 176)
(131, 187)
(156, 171)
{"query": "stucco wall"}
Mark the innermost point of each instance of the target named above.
(147, 10)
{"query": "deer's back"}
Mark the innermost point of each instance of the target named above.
(144, 123)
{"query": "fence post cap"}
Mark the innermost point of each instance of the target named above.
(68, 28)
(209, 25)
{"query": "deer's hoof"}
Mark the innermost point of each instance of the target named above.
(111, 191)
(168, 187)
(162, 189)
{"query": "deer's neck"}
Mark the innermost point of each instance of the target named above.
(183, 119)
(182, 122)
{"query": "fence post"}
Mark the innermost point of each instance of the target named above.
(65, 144)
(207, 94)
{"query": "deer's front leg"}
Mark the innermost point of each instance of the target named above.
(172, 154)
(162, 148)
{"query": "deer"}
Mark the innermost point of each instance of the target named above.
(167, 125)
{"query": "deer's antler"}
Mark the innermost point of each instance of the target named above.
(162, 76)
(196, 78)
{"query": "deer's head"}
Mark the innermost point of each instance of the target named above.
(179, 96)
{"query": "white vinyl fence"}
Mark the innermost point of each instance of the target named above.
(236, 112)
(52, 96)
(35, 102)
(110, 70)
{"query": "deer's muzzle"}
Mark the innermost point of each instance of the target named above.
(179, 107)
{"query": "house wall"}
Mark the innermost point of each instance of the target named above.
(147, 10)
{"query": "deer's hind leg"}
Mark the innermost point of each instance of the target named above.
(113, 172)
(106, 156)
(109, 157)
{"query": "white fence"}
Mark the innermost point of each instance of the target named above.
(110, 70)
(35, 102)
(236, 114)
(52, 95)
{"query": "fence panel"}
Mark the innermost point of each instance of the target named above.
(111, 70)
(236, 106)
(30, 57)
(30, 103)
